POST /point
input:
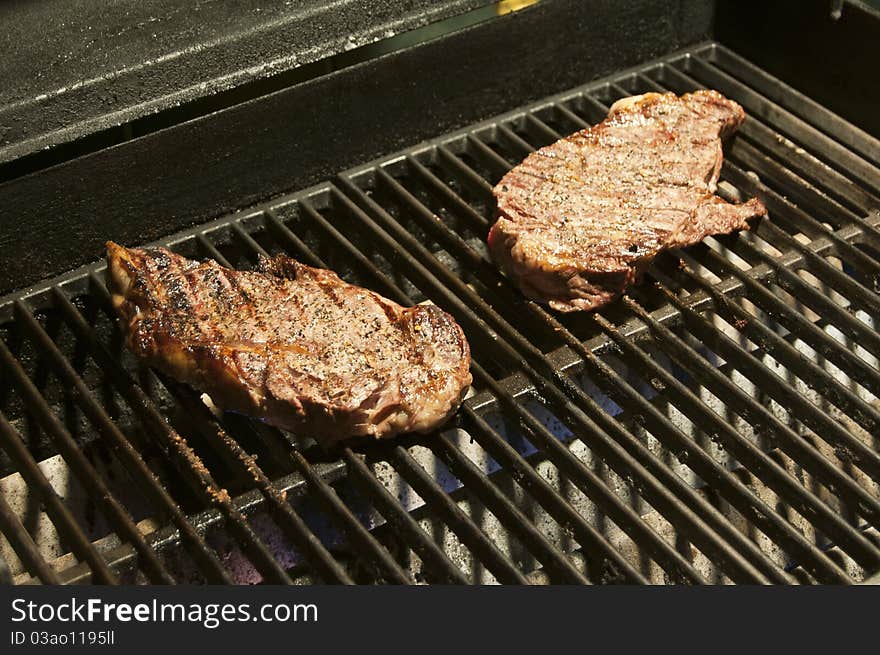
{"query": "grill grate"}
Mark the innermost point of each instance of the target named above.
(718, 424)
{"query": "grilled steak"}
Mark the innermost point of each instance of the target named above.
(292, 345)
(579, 220)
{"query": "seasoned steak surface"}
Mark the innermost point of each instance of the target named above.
(579, 220)
(290, 344)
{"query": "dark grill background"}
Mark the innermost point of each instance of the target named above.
(718, 424)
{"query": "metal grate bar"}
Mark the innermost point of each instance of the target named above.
(837, 529)
(804, 328)
(265, 442)
(281, 511)
(659, 492)
(810, 137)
(808, 168)
(763, 517)
(489, 157)
(773, 144)
(469, 530)
(591, 541)
(353, 528)
(24, 545)
(468, 174)
(686, 451)
(510, 138)
(812, 374)
(727, 348)
(383, 560)
(787, 183)
(148, 482)
(439, 501)
(85, 472)
(388, 285)
(61, 516)
(787, 213)
(543, 316)
(477, 264)
(533, 123)
(507, 512)
(294, 526)
(182, 456)
(496, 442)
(551, 558)
(795, 102)
(809, 296)
(858, 294)
(657, 419)
(472, 259)
(591, 107)
(293, 242)
(571, 117)
(618, 90)
(779, 205)
(492, 164)
(776, 144)
(824, 425)
(593, 487)
(208, 248)
(402, 521)
(784, 210)
(477, 221)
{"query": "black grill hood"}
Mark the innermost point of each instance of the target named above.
(74, 68)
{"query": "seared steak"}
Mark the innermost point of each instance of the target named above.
(579, 220)
(292, 345)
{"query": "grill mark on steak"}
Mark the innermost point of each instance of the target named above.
(579, 220)
(292, 345)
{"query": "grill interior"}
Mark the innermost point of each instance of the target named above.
(718, 424)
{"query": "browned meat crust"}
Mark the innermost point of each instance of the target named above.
(292, 345)
(579, 220)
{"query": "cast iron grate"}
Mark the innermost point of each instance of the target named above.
(719, 424)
